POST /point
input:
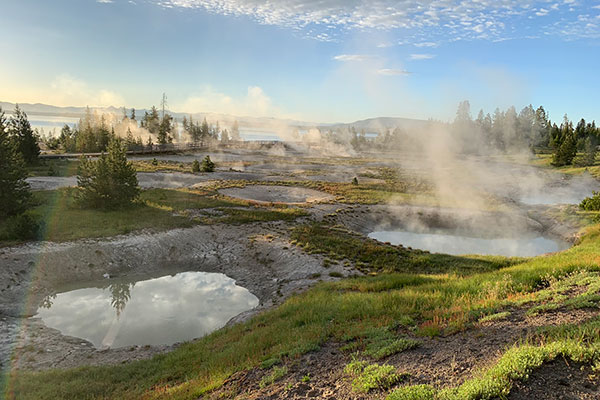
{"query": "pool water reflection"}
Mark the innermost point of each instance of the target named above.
(448, 243)
(158, 311)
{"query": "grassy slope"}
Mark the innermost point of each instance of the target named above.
(63, 220)
(431, 303)
(545, 160)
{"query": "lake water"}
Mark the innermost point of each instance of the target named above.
(158, 311)
(443, 242)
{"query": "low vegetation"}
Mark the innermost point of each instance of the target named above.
(369, 377)
(61, 218)
(373, 256)
(591, 203)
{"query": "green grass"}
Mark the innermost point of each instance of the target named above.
(329, 311)
(495, 317)
(372, 256)
(276, 374)
(578, 343)
(54, 167)
(68, 167)
(415, 392)
(161, 166)
(369, 377)
(380, 342)
(64, 220)
(545, 160)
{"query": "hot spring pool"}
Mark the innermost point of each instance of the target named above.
(157, 311)
(443, 242)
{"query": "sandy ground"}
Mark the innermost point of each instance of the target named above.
(278, 194)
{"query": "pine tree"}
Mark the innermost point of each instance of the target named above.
(204, 130)
(590, 151)
(130, 140)
(110, 181)
(195, 166)
(14, 190)
(224, 136)
(165, 130)
(207, 165)
(19, 129)
(566, 146)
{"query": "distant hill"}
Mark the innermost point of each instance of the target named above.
(263, 123)
(383, 123)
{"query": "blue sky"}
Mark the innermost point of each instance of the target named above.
(316, 60)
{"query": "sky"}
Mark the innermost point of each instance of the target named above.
(309, 60)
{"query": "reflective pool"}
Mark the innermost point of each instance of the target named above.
(158, 311)
(444, 242)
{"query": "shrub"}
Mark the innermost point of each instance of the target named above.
(371, 377)
(154, 161)
(417, 392)
(591, 203)
(195, 166)
(110, 181)
(22, 227)
(207, 165)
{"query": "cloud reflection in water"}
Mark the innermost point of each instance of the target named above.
(158, 311)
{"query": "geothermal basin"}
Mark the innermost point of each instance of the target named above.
(159, 311)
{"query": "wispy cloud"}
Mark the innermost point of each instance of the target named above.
(421, 56)
(104, 1)
(353, 57)
(427, 44)
(453, 19)
(391, 72)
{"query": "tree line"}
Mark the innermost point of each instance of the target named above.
(505, 131)
(93, 132)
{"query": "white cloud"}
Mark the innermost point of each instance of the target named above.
(426, 44)
(254, 102)
(451, 19)
(68, 91)
(353, 57)
(104, 1)
(393, 72)
(421, 56)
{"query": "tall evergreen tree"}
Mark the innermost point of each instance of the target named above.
(14, 190)
(567, 149)
(19, 129)
(110, 181)
(204, 130)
